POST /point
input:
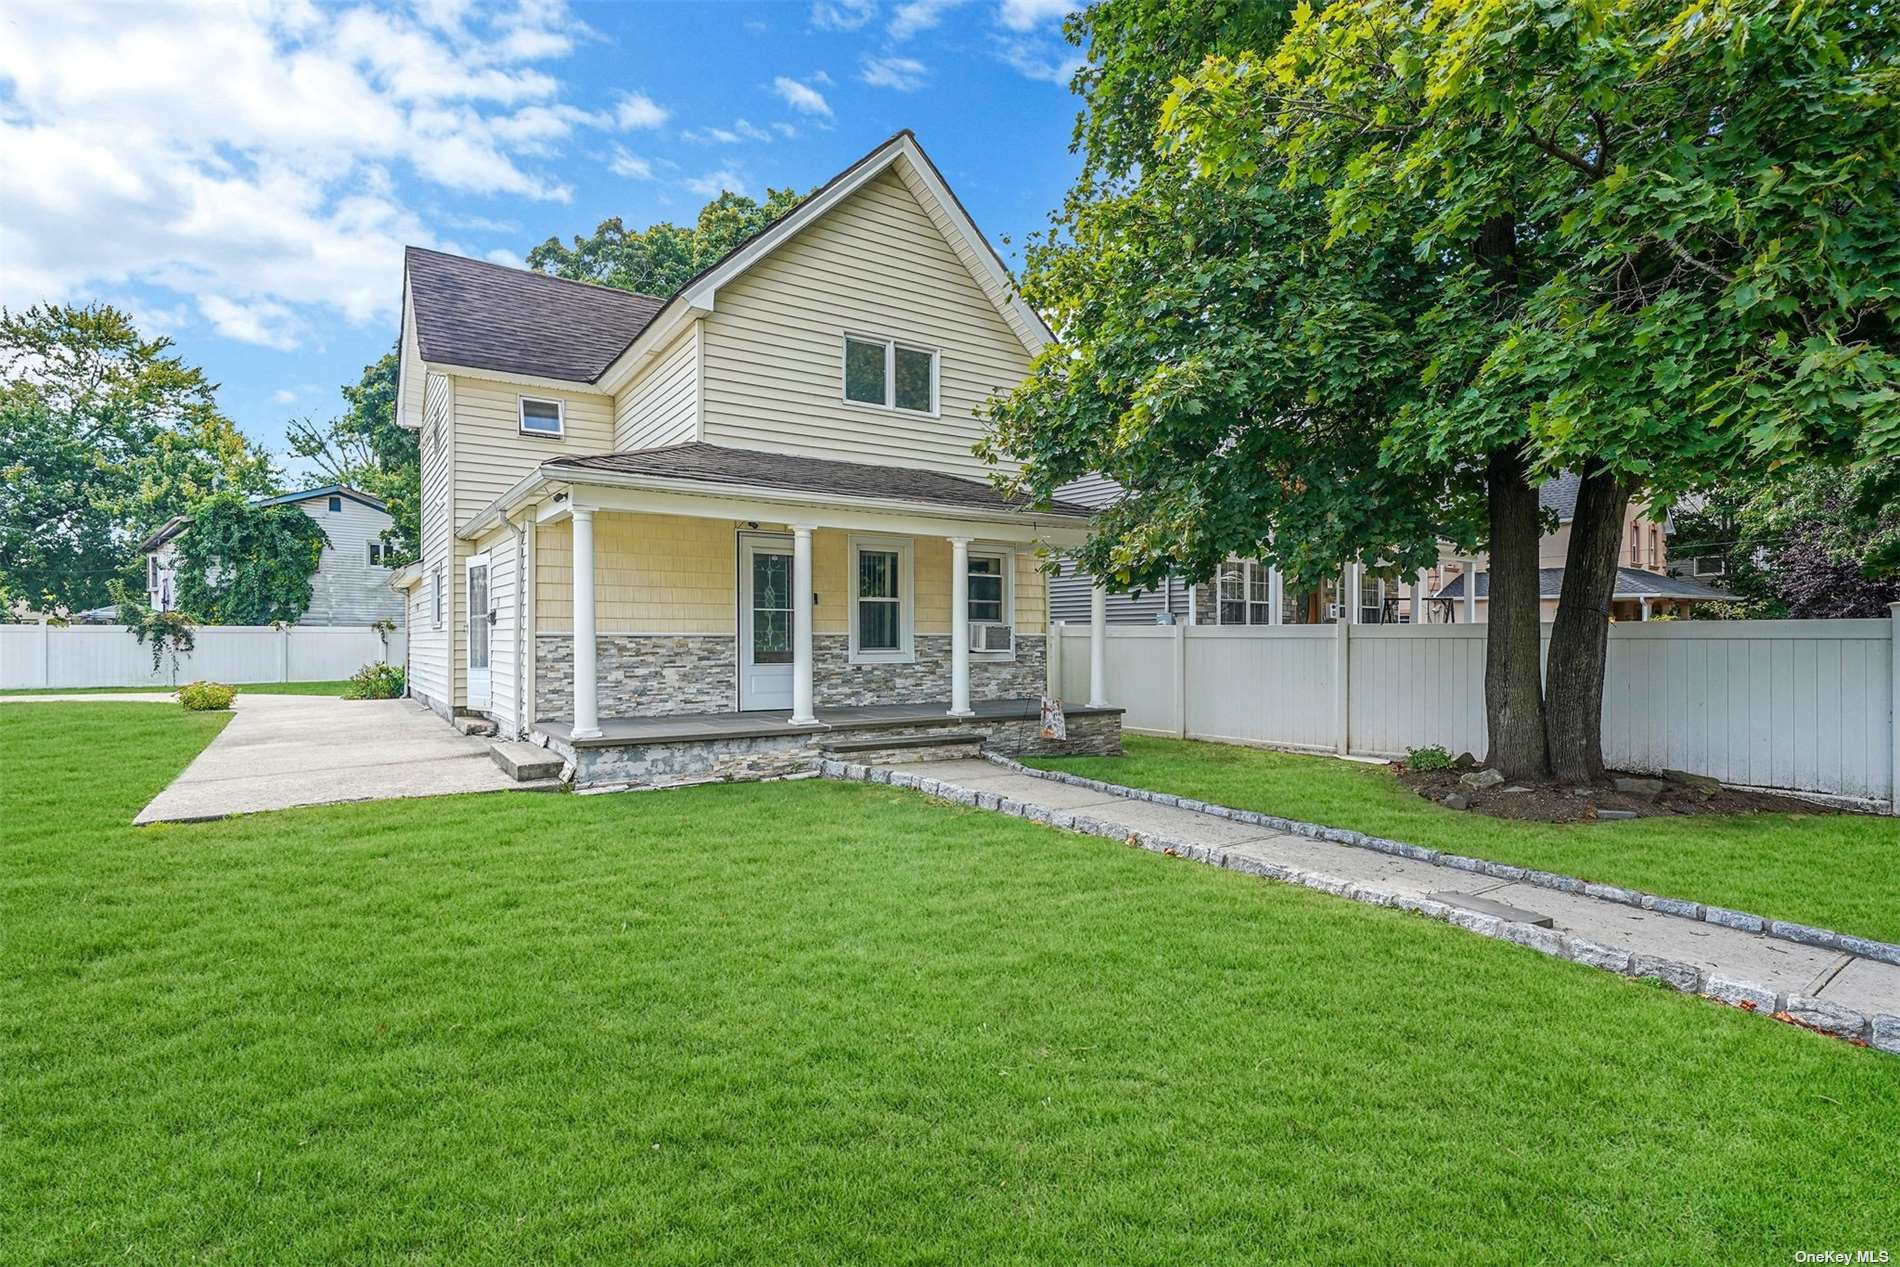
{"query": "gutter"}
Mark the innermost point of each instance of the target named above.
(547, 476)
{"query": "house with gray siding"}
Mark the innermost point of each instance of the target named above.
(351, 585)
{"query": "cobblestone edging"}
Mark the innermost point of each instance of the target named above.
(1879, 1031)
(1825, 938)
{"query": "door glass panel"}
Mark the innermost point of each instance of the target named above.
(771, 608)
(478, 618)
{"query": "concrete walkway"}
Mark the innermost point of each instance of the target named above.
(281, 751)
(1846, 994)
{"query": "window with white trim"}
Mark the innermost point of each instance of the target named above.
(377, 552)
(881, 608)
(541, 417)
(435, 586)
(336, 505)
(1243, 593)
(991, 586)
(886, 374)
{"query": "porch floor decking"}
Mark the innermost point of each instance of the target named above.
(699, 727)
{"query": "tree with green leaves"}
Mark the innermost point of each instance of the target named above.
(241, 563)
(659, 259)
(104, 435)
(1648, 243)
(366, 449)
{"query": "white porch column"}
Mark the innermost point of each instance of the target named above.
(586, 693)
(1098, 647)
(1418, 598)
(960, 627)
(1471, 591)
(802, 714)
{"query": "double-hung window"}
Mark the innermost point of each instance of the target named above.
(435, 589)
(890, 375)
(1244, 593)
(377, 553)
(881, 589)
(990, 602)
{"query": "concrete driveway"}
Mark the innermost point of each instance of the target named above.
(281, 751)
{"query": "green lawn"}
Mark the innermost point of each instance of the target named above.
(244, 688)
(1838, 871)
(822, 1022)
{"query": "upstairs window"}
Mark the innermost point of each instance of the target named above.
(435, 591)
(376, 554)
(336, 505)
(890, 375)
(541, 417)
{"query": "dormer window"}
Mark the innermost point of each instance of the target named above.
(540, 417)
(886, 374)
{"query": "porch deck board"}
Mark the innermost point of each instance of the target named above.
(698, 727)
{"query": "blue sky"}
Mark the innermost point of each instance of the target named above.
(243, 176)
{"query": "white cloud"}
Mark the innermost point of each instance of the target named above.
(918, 15)
(714, 183)
(1056, 67)
(631, 166)
(506, 258)
(906, 74)
(1027, 15)
(636, 110)
(245, 158)
(741, 130)
(785, 130)
(804, 99)
(282, 396)
(712, 136)
(842, 15)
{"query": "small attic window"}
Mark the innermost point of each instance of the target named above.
(336, 505)
(540, 417)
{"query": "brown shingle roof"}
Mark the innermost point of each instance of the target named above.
(470, 312)
(717, 464)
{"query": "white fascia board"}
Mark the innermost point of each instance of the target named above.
(521, 380)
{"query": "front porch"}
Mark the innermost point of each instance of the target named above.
(655, 751)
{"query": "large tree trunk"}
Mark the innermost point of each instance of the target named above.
(1513, 687)
(1580, 639)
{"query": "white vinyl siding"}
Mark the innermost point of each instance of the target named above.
(347, 589)
(876, 265)
(660, 406)
(428, 641)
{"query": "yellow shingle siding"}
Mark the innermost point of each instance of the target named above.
(652, 574)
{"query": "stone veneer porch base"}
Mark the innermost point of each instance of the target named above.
(734, 747)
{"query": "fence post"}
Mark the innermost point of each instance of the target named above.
(46, 652)
(1053, 660)
(1342, 685)
(283, 654)
(1180, 680)
(1893, 711)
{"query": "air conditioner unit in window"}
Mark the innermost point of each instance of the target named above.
(988, 637)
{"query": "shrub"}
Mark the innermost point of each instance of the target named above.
(376, 681)
(1429, 758)
(206, 697)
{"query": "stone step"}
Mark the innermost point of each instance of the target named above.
(524, 762)
(967, 743)
(476, 726)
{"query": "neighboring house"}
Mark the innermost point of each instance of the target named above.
(1245, 592)
(351, 583)
(695, 536)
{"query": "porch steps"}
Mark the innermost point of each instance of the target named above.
(950, 744)
(526, 762)
(475, 726)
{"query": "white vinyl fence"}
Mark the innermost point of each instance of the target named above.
(1798, 704)
(108, 655)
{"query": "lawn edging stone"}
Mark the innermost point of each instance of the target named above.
(1781, 930)
(1878, 1031)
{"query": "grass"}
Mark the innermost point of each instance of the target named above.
(816, 1022)
(1838, 871)
(244, 688)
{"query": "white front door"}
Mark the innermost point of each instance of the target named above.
(765, 622)
(480, 622)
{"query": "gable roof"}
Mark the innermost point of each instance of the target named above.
(703, 463)
(516, 321)
(1559, 493)
(178, 523)
(486, 316)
